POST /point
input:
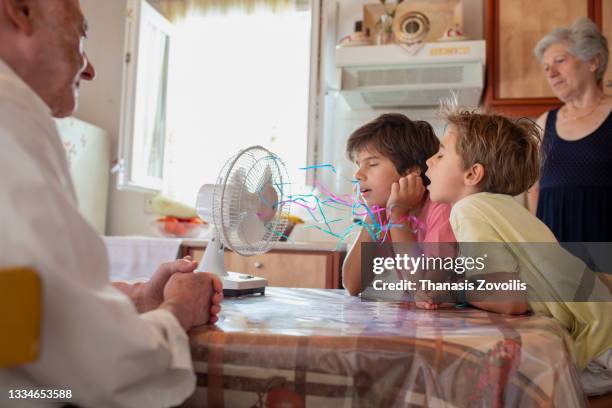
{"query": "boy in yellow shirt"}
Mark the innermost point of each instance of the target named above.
(483, 161)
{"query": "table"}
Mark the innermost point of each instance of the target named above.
(312, 347)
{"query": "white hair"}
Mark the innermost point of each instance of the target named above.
(585, 42)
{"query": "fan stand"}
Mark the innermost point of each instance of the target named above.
(234, 284)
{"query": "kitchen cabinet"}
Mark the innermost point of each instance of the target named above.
(516, 84)
(606, 28)
(284, 267)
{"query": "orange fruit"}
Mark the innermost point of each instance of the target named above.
(181, 229)
(170, 225)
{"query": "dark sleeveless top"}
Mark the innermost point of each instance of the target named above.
(575, 199)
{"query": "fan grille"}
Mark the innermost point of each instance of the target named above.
(253, 183)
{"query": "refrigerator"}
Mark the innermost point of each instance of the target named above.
(88, 153)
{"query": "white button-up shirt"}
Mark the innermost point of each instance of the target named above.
(93, 343)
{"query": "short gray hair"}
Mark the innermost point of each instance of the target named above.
(585, 41)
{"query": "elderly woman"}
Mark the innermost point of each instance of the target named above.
(574, 195)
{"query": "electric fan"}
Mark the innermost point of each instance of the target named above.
(248, 211)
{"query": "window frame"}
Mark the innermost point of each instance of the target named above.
(128, 177)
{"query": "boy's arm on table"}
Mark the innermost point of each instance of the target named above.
(432, 299)
(351, 268)
(498, 301)
(475, 234)
(402, 233)
(501, 267)
(511, 308)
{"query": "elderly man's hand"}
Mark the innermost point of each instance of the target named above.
(152, 292)
(189, 295)
(149, 295)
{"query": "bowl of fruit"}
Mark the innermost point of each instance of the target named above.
(176, 219)
(174, 227)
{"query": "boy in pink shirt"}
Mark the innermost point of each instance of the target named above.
(390, 153)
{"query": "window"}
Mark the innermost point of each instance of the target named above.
(233, 80)
(144, 100)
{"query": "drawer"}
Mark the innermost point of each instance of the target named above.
(292, 269)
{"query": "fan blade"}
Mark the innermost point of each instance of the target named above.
(251, 230)
(233, 195)
(268, 204)
(266, 178)
(267, 197)
(238, 178)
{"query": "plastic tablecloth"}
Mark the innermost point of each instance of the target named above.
(308, 347)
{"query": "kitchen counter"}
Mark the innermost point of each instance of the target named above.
(286, 246)
(287, 264)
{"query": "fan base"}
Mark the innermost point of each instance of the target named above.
(240, 284)
(231, 293)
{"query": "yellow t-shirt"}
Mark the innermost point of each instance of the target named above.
(551, 273)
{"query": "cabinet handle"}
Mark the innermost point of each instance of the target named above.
(257, 264)
(609, 83)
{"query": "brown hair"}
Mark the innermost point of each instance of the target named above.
(509, 150)
(405, 142)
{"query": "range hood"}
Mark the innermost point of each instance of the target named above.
(393, 76)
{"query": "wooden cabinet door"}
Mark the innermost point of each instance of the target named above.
(522, 23)
(516, 84)
(292, 269)
(606, 28)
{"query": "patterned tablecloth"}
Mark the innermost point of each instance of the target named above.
(307, 347)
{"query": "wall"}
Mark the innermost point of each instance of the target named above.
(100, 103)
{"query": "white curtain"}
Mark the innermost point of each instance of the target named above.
(236, 80)
(176, 10)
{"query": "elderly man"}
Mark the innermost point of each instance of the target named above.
(106, 348)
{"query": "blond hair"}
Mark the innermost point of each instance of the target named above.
(509, 150)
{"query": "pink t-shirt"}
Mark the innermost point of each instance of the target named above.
(434, 225)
